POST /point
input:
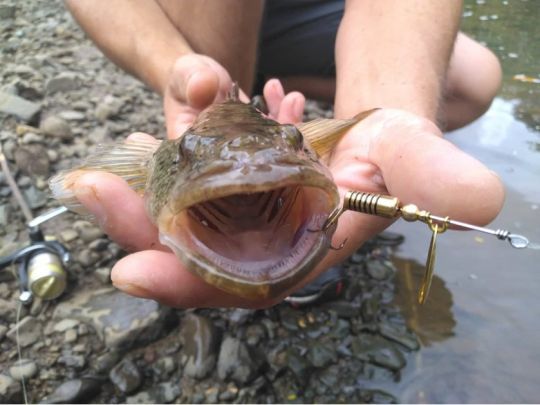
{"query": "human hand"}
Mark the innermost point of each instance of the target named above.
(196, 81)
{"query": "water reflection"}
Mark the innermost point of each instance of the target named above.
(433, 321)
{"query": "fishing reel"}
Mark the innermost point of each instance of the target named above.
(41, 264)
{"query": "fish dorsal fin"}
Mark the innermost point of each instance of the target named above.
(128, 160)
(324, 133)
(234, 93)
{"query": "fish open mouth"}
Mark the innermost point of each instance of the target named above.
(253, 244)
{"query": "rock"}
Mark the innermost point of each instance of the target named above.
(235, 362)
(34, 197)
(3, 331)
(65, 324)
(70, 336)
(98, 135)
(200, 339)
(23, 369)
(31, 137)
(377, 350)
(32, 160)
(164, 366)
(53, 155)
(57, 127)
(104, 363)
(379, 269)
(7, 12)
(240, 316)
(88, 232)
(126, 376)
(321, 355)
(29, 331)
(5, 211)
(72, 391)
(211, 395)
(119, 319)
(64, 82)
(68, 235)
(19, 107)
(87, 258)
(229, 394)
(72, 360)
(399, 335)
(103, 274)
(163, 393)
(71, 115)
(10, 390)
(108, 108)
(99, 245)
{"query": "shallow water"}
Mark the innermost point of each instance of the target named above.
(480, 328)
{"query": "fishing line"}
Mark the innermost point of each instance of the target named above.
(19, 353)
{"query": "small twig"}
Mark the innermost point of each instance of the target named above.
(14, 188)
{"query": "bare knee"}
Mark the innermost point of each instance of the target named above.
(473, 80)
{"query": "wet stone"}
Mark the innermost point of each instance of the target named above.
(29, 331)
(65, 324)
(57, 127)
(200, 340)
(235, 361)
(78, 390)
(125, 376)
(379, 269)
(321, 355)
(23, 369)
(119, 319)
(378, 351)
(399, 335)
(298, 364)
(211, 395)
(370, 309)
(72, 360)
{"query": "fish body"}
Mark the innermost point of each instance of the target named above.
(239, 198)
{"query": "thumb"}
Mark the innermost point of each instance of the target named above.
(198, 80)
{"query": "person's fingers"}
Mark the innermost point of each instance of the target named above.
(115, 205)
(273, 95)
(291, 110)
(161, 276)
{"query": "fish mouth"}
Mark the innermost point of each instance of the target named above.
(254, 240)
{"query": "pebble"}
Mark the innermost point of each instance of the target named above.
(120, 320)
(65, 324)
(63, 82)
(3, 331)
(199, 338)
(10, 390)
(125, 376)
(71, 115)
(76, 361)
(31, 137)
(29, 331)
(72, 391)
(69, 235)
(21, 108)
(23, 369)
(57, 127)
(379, 270)
(321, 355)
(52, 155)
(7, 11)
(5, 211)
(32, 160)
(89, 233)
(235, 362)
(87, 258)
(103, 274)
(70, 336)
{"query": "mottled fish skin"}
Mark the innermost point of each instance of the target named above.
(238, 197)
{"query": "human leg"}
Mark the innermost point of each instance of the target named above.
(225, 30)
(473, 79)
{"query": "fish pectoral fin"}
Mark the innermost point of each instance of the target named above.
(128, 160)
(324, 133)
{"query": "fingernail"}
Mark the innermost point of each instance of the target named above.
(133, 289)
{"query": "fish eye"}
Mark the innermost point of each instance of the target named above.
(293, 136)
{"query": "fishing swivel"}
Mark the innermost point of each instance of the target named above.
(390, 207)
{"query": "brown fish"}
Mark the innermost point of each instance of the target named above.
(239, 198)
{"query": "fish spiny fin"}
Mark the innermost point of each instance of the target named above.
(128, 160)
(324, 133)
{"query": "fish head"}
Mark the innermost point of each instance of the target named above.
(246, 202)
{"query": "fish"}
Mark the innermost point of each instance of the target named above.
(239, 198)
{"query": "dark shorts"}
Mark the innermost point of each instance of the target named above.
(298, 37)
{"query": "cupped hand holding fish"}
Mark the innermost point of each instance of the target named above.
(390, 151)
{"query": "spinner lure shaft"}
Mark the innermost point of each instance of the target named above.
(390, 207)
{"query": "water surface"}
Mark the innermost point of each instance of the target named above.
(480, 328)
